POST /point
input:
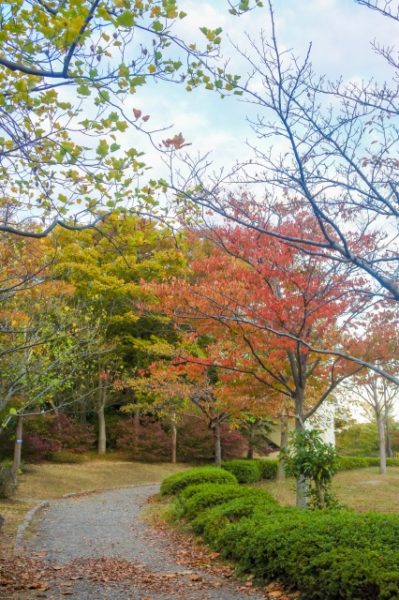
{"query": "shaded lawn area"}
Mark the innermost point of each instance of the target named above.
(363, 490)
(48, 480)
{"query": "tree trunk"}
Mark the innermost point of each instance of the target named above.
(102, 432)
(301, 483)
(174, 442)
(218, 444)
(136, 432)
(388, 446)
(283, 443)
(82, 407)
(381, 442)
(250, 451)
(18, 446)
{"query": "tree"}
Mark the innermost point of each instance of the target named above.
(255, 300)
(378, 397)
(68, 70)
(108, 268)
(256, 430)
(339, 140)
(307, 456)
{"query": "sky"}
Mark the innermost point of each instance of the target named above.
(340, 31)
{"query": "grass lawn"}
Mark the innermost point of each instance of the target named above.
(48, 480)
(362, 490)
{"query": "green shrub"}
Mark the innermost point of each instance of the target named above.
(63, 456)
(246, 471)
(175, 483)
(326, 555)
(196, 498)
(210, 522)
(193, 500)
(348, 463)
(268, 468)
(372, 461)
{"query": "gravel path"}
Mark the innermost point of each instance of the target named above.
(101, 548)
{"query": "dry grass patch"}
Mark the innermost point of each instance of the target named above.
(363, 490)
(47, 480)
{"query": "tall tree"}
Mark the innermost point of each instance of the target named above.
(68, 70)
(108, 268)
(339, 141)
(378, 398)
(257, 299)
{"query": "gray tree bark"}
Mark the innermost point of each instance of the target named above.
(174, 443)
(283, 444)
(301, 483)
(218, 444)
(102, 430)
(381, 442)
(18, 446)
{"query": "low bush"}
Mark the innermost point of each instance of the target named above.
(147, 441)
(210, 522)
(246, 471)
(51, 433)
(179, 481)
(268, 468)
(195, 498)
(348, 463)
(252, 470)
(326, 555)
(64, 456)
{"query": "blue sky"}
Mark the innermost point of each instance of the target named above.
(341, 32)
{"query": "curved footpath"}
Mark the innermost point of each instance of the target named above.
(99, 547)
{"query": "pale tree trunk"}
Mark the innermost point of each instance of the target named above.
(18, 446)
(301, 483)
(102, 431)
(218, 444)
(283, 443)
(174, 443)
(388, 446)
(381, 442)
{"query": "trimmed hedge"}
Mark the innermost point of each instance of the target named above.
(252, 470)
(347, 463)
(268, 468)
(196, 498)
(175, 483)
(246, 471)
(210, 522)
(326, 555)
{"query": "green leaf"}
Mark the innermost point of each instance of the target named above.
(157, 26)
(126, 19)
(102, 148)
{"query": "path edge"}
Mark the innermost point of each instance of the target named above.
(20, 535)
